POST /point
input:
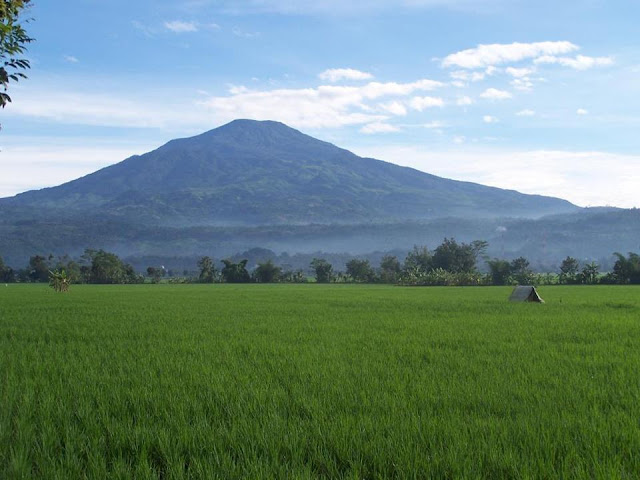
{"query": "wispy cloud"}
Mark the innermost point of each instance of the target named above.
(238, 32)
(146, 30)
(526, 113)
(495, 94)
(498, 54)
(71, 59)
(340, 7)
(464, 100)
(179, 26)
(336, 74)
(422, 103)
(519, 72)
(490, 119)
(379, 127)
(582, 111)
(394, 108)
(319, 107)
(577, 176)
(580, 62)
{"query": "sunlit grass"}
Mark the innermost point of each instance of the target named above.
(281, 381)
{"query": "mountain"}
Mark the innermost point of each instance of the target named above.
(266, 173)
(254, 184)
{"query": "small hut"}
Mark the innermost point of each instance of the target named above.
(525, 293)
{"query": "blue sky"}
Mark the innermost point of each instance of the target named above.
(533, 96)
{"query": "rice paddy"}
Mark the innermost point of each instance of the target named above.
(318, 381)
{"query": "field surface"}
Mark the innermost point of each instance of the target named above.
(308, 381)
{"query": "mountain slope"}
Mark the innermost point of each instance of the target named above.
(250, 172)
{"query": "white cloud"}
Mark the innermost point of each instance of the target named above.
(394, 108)
(586, 178)
(580, 62)
(497, 54)
(491, 70)
(422, 103)
(325, 106)
(141, 27)
(523, 84)
(178, 26)
(238, 32)
(379, 127)
(340, 7)
(519, 72)
(71, 59)
(459, 139)
(46, 162)
(582, 111)
(495, 94)
(337, 74)
(526, 113)
(320, 107)
(462, 101)
(490, 119)
(458, 84)
(462, 75)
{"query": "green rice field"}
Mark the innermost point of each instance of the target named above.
(318, 381)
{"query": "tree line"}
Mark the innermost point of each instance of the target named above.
(450, 263)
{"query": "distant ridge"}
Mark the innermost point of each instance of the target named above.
(263, 172)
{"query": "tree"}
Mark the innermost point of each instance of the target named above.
(6, 273)
(13, 42)
(590, 273)
(360, 270)
(520, 271)
(235, 272)
(267, 272)
(207, 270)
(390, 269)
(500, 271)
(457, 258)
(418, 259)
(107, 268)
(627, 269)
(569, 270)
(322, 269)
(155, 274)
(59, 281)
(38, 269)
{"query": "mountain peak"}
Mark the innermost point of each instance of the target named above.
(265, 172)
(253, 132)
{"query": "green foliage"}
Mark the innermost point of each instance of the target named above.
(457, 258)
(589, 274)
(207, 270)
(521, 272)
(360, 270)
(6, 273)
(155, 273)
(419, 259)
(323, 270)
(500, 271)
(107, 268)
(267, 272)
(627, 269)
(38, 269)
(322, 381)
(13, 42)
(59, 281)
(569, 270)
(235, 272)
(390, 269)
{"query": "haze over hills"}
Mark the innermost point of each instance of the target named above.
(263, 184)
(249, 172)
